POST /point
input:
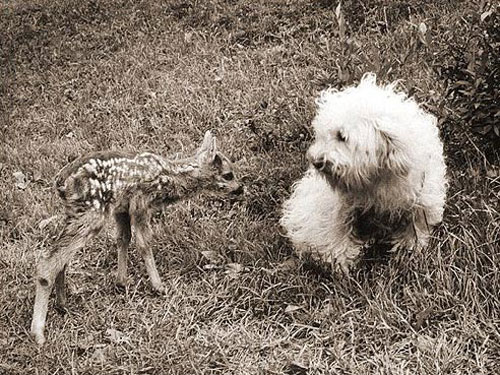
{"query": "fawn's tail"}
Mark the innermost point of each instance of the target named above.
(59, 182)
(63, 175)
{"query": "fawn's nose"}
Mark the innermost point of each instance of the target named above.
(238, 190)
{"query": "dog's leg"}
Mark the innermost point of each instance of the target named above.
(344, 255)
(51, 265)
(415, 235)
(124, 234)
(140, 216)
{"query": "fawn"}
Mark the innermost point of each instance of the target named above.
(128, 187)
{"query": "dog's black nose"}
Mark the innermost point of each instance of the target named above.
(319, 164)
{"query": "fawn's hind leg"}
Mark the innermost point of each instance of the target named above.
(124, 234)
(60, 285)
(51, 265)
(140, 215)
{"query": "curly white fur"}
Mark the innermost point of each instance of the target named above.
(376, 158)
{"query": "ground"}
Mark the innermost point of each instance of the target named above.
(79, 76)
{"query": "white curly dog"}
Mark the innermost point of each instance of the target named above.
(377, 174)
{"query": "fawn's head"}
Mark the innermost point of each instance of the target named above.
(216, 168)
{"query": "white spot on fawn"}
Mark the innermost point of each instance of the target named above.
(90, 168)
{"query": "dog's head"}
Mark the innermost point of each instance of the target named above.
(364, 134)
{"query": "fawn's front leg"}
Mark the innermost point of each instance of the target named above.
(52, 263)
(124, 234)
(140, 217)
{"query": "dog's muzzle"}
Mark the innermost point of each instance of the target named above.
(319, 164)
(318, 161)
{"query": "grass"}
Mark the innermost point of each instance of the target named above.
(91, 75)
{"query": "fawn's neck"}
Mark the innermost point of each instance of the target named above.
(183, 177)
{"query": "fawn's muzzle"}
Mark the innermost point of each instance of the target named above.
(237, 190)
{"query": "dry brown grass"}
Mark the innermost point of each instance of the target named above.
(90, 75)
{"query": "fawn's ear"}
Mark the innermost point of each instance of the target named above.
(208, 149)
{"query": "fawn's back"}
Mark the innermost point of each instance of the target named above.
(102, 180)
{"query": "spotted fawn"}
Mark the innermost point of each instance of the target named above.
(128, 187)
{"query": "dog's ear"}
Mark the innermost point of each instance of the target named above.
(392, 156)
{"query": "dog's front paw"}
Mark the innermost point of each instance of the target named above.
(345, 260)
(408, 244)
(345, 265)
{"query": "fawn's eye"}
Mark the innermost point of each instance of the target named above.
(228, 176)
(341, 137)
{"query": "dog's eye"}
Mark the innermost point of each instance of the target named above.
(341, 137)
(228, 176)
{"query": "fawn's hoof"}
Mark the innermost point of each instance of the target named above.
(120, 286)
(160, 289)
(39, 338)
(61, 309)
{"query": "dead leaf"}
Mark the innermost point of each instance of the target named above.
(425, 344)
(99, 355)
(86, 342)
(212, 256)
(43, 223)
(22, 181)
(219, 74)
(234, 269)
(117, 337)
(422, 28)
(290, 264)
(493, 173)
(422, 317)
(37, 176)
(486, 15)
(291, 308)
(211, 266)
